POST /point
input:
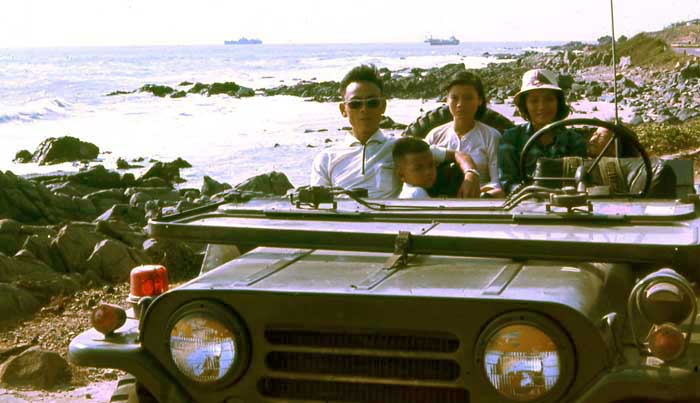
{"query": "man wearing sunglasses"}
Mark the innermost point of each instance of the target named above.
(364, 158)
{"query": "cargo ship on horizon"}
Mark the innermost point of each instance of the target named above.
(436, 41)
(244, 41)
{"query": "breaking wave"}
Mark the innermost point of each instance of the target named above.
(35, 110)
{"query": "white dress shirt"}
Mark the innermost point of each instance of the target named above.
(413, 192)
(352, 165)
(481, 143)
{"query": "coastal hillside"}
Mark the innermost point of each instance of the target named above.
(685, 33)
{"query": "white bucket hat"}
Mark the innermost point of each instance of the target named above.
(537, 79)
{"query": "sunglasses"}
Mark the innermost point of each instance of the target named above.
(371, 103)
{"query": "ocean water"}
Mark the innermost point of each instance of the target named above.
(56, 92)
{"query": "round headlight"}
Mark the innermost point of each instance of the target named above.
(208, 346)
(525, 357)
(522, 362)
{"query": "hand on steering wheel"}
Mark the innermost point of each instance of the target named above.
(619, 131)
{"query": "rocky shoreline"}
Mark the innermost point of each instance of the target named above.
(63, 234)
(657, 84)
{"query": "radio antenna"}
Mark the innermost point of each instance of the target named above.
(612, 23)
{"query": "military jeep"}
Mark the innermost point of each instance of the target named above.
(557, 294)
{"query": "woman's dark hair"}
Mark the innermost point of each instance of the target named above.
(468, 78)
(408, 145)
(362, 73)
(563, 109)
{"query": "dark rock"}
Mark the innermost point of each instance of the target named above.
(245, 92)
(10, 238)
(690, 71)
(63, 149)
(169, 172)
(35, 368)
(16, 303)
(388, 123)
(75, 243)
(566, 81)
(139, 199)
(23, 156)
(8, 352)
(113, 93)
(154, 182)
(211, 186)
(132, 236)
(41, 248)
(128, 179)
(123, 212)
(122, 164)
(180, 163)
(274, 182)
(162, 193)
(97, 177)
(113, 260)
(178, 257)
(157, 90)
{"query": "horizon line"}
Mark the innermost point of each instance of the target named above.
(221, 43)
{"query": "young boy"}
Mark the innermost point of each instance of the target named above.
(416, 168)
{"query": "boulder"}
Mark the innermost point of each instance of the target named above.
(273, 183)
(180, 163)
(10, 237)
(97, 177)
(16, 303)
(157, 90)
(690, 71)
(123, 212)
(122, 164)
(23, 156)
(75, 243)
(41, 248)
(388, 123)
(178, 257)
(212, 187)
(169, 172)
(113, 260)
(131, 235)
(35, 368)
(63, 149)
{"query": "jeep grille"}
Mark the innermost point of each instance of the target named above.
(436, 343)
(362, 366)
(358, 392)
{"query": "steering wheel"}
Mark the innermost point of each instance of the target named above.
(619, 131)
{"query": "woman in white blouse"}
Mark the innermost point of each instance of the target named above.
(467, 102)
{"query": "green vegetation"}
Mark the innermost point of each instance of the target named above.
(645, 50)
(664, 138)
(685, 33)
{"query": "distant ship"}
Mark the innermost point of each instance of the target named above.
(451, 41)
(244, 41)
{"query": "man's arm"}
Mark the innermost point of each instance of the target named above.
(320, 175)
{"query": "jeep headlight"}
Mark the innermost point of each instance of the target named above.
(207, 345)
(525, 361)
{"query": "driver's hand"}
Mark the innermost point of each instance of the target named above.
(470, 186)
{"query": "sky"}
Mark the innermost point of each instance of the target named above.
(46, 23)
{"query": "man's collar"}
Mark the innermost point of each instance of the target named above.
(377, 137)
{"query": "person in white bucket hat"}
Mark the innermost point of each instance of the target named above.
(540, 101)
